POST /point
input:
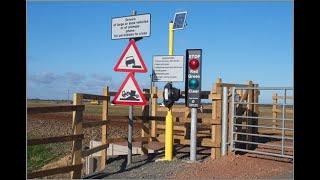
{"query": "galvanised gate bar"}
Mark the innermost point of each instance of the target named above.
(268, 133)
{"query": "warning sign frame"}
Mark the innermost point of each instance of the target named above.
(122, 58)
(126, 102)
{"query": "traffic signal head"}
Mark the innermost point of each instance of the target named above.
(193, 78)
(170, 95)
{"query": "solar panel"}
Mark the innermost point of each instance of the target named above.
(179, 20)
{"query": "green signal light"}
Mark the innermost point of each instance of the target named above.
(193, 84)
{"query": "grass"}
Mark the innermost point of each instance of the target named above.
(40, 155)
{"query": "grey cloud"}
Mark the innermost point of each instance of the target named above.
(94, 83)
(49, 78)
(52, 85)
(102, 77)
(74, 78)
(44, 77)
(32, 59)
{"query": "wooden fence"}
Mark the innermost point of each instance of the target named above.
(77, 129)
(76, 137)
(152, 129)
(276, 110)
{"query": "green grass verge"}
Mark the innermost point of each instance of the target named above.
(40, 155)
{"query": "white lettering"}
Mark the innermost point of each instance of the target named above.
(193, 105)
(194, 56)
(193, 91)
(130, 19)
(193, 76)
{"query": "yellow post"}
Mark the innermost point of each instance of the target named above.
(171, 37)
(169, 136)
(169, 118)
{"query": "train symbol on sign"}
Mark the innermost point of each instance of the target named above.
(130, 60)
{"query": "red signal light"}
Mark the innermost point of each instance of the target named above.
(194, 63)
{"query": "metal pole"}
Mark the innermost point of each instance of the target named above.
(224, 122)
(169, 119)
(171, 38)
(150, 102)
(193, 136)
(169, 136)
(283, 119)
(68, 96)
(130, 134)
(130, 124)
(232, 118)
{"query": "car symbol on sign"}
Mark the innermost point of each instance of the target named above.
(130, 60)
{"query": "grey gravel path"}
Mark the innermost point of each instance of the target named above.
(144, 167)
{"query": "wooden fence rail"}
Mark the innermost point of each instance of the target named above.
(54, 171)
(68, 108)
(276, 110)
(55, 139)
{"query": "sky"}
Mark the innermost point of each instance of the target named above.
(69, 45)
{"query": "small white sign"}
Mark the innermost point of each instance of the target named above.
(167, 68)
(131, 26)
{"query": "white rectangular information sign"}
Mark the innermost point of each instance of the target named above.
(131, 26)
(167, 68)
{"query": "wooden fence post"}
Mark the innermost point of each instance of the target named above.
(77, 129)
(274, 110)
(187, 112)
(216, 114)
(145, 132)
(154, 107)
(104, 135)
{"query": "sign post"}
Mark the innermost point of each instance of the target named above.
(193, 93)
(130, 120)
(169, 118)
(134, 27)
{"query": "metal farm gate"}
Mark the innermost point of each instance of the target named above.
(268, 132)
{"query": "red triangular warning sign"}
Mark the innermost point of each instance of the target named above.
(131, 60)
(129, 93)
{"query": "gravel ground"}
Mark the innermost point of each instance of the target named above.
(246, 166)
(146, 167)
(237, 167)
(228, 167)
